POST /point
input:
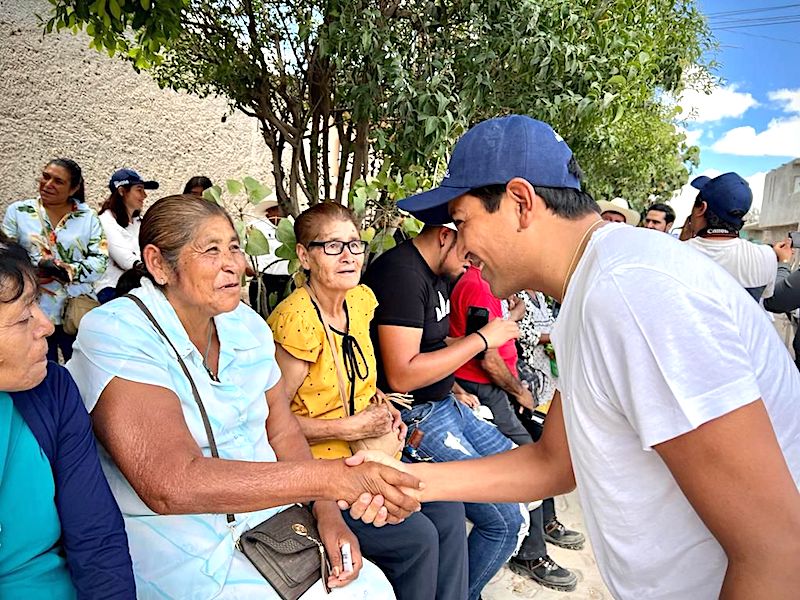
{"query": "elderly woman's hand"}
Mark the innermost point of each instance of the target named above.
(397, 419)
(398, 488)
(373, 421)
(335, 533)
(370, 508)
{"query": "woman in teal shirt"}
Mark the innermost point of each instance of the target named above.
(61, 533)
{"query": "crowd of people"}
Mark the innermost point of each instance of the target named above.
(527, 340)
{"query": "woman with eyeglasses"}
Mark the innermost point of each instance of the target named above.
(327, 322)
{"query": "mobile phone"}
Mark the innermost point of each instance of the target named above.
(477, 317)
(795, 237)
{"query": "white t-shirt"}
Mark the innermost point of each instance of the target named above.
(123, 248)
(652, 341)
(752, 265)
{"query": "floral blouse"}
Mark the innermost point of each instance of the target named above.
(77, 241)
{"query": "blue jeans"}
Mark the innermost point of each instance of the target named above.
(452, 432)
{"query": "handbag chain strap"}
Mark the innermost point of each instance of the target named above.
(203, 414)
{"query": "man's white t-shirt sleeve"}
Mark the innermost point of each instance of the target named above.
(769, 265)
(668, 369)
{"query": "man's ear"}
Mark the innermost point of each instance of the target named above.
(699, 211)
(521, 193)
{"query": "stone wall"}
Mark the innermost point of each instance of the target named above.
(59, 98)
(781, 204)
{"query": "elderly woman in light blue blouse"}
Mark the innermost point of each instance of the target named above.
(156, 455)
(64, 239)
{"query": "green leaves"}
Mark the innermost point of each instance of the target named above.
(398, 83)
(256, 191)
(257, 243)
(285, 233)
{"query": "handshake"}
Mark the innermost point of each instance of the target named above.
(380, 489)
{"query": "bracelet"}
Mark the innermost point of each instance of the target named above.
(485, 342)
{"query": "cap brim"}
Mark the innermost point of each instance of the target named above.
(431, 207)
(150, 185)
(698, 182)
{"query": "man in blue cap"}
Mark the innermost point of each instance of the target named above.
(679, 413)
(713, 229)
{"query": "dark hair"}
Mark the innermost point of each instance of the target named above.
(669, 214)
(116, 204)
(310, 221)
(75, 176)
(15, 270)
(567, 203)
(169, 225)
(197, 181)
(714, 221)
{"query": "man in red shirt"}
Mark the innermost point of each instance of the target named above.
(493, 378)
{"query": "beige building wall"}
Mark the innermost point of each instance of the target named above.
(59, 98)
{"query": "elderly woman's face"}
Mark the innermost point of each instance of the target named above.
(23, 347)
(334, 272)
(210, 269)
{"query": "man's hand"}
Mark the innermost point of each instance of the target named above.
(370, 508)
(335, 533)
(525, 398)
(49, 268)
(390, 480)
(687, 231)
(498, 331)
(516, 308)
(467, 399)
(373, 421)
(783, 250)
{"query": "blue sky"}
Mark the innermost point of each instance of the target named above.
(751, 122)
(754, 71)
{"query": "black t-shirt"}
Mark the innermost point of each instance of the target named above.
(410, 295)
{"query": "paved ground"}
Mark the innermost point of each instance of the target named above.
(509, 586)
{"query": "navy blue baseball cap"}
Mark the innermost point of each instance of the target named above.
(129, 177)
(495, 152)
(728, 196)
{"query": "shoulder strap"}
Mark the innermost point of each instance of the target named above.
(206, 424)
(332, 344)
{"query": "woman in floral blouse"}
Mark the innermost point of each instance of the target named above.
(64, 239)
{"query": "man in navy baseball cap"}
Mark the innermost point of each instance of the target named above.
(713, 229)
(495, 152)
(727, 196)
(677, 402)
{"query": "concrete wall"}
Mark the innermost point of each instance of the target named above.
(59, 98)
(781, 204)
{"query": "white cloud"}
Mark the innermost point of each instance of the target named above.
(692, 135)
(780, 138)
(790, 99)
(683, 200)
(720, 103)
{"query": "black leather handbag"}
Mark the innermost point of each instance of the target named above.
(286, 548)
(287, 551)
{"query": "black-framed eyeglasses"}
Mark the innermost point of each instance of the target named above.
(335, 247)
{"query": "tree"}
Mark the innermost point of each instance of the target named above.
(345, 90)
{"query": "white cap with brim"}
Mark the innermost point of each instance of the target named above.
(620, 205)
(260, 209)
